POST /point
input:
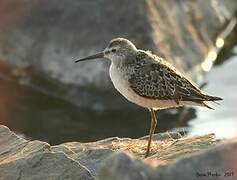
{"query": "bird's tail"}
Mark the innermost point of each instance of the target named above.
(212, 99)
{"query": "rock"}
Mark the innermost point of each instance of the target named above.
(22, 159)
(75, 160)
(217, 163)
(172, 157)
(43, 39)
(121, 166)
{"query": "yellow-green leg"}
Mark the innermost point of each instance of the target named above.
(152, 130)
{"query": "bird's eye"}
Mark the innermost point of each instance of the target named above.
(113, 50)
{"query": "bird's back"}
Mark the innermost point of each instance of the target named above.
(152, 77)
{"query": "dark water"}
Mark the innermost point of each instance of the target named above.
(39, 116)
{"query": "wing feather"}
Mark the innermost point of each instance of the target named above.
(154, 78)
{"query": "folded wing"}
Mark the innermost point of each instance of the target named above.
(155, 78)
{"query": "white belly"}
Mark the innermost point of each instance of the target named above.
(122, 85)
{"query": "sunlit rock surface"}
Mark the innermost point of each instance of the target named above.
(43, 38)
(172, 157)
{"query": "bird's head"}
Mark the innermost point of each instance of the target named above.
(117, 49)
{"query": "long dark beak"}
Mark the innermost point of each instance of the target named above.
(95, 56)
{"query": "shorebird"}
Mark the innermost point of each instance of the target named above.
(148, 80)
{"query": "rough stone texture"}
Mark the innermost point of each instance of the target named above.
(44, 37)
(172, 157)
(22, 159)
(220, 160)
(121, 166)
(216, 163)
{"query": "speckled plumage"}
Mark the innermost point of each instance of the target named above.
(152, 77)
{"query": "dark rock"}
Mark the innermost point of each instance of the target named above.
(45, 37)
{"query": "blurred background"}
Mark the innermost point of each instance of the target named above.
(45, 96)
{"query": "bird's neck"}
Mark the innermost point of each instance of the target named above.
(120, 70)
(124, 67)
(124, 62)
